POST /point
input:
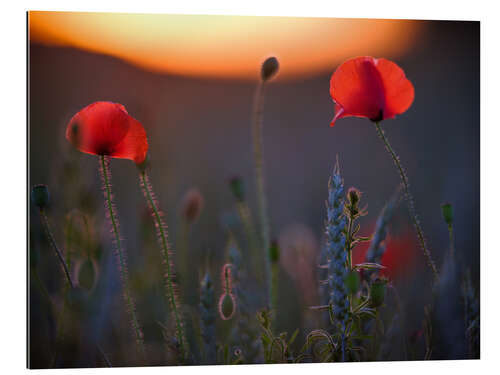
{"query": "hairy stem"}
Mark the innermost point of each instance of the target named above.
(120, 254)
(45, 223)
(167, 255)
(259, 175)
(409, 199)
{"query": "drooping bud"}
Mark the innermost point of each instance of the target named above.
(447, 211)
(269, 68)
(40, 195)
(227, 306)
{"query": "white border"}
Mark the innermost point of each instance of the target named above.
(13, 198)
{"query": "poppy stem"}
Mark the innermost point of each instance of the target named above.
(409, 199)
(120, 253)
(48, 232)
(261, 196)
(168, 260)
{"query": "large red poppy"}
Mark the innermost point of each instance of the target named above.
(373, 88)
(105, 128)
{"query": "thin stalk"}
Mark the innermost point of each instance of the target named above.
(120, 253)
(452, 241)
(245, 217)
(167, 255)
(409, 199)
(259, 174)
(45, 223)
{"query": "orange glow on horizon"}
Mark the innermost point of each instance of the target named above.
(223, 46)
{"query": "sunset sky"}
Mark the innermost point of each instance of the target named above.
(223, 46)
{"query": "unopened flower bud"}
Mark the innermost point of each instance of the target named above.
(269, 68)
(447, 210)
(377, 292)
(40, 195)
(274, 252)
(237, 188)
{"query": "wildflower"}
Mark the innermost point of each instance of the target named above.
(336, 254)
(378, 89)
(368, 87)
(105, 128)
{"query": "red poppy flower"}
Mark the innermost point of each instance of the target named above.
(105, 128)
(367, 87)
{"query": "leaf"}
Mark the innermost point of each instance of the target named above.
(294, 336)
(368, 266)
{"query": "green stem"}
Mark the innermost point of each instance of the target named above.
(45, 223)
(409, 199)
(167, 255)
(259, 174)
(452, 241)
(122, 262)
(244, 214)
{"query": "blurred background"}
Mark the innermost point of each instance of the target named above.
(190, 81)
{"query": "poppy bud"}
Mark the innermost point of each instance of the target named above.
(192, 205)
(274, 252)
(354, 196)
(86, 274)
(447, 210)
(227, 306)
(269, 68)
(40, 195)
(377, 292)
(237, 188)
(352, 282)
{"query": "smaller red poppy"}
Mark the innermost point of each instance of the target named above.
(105, 128)
(368, 87)
(400, 258)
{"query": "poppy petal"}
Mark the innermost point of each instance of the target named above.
(98, 128)
(399, 91)
(134, 145)
(356, 87)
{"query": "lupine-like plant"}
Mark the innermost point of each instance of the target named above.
(107, 130)
(207, 318)
(377, 89)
